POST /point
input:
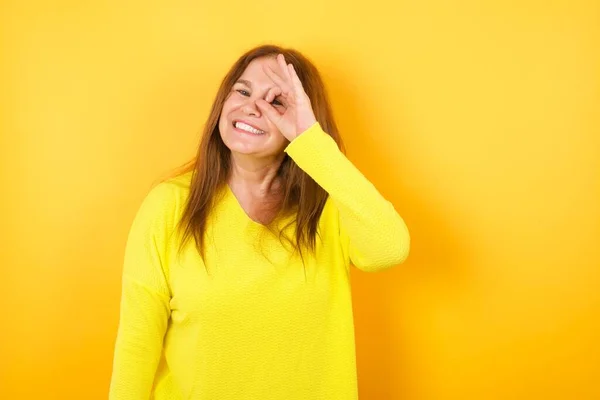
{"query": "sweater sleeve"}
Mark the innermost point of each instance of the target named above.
(144, 310)
(376, 235)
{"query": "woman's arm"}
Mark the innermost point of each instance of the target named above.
(145, 310)
(378, 237)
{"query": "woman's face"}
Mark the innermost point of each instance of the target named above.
(243, 127)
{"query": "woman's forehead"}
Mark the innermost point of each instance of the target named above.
(255, 73)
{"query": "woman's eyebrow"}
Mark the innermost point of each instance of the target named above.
(245, 82)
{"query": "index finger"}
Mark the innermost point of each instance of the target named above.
(286, 87)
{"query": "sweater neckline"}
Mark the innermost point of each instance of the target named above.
(239, 210)
(241, 214)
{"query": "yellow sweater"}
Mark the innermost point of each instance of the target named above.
(244, 327)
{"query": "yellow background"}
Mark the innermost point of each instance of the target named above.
(479, 120)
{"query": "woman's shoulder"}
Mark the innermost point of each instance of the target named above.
(175, 186)
(166, 199)
(180, 182)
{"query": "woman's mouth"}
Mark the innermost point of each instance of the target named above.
(244, 127)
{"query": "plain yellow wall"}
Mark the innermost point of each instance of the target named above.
(479, 120)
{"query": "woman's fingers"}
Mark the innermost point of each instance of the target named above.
(279, 81)
(272, 94)
(270, 112)
(283, 66)
(287, 79)
(297, 84)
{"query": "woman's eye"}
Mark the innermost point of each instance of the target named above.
(243, 92)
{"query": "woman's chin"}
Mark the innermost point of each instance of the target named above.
(250, 146)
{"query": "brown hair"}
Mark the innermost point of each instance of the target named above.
(210, 168)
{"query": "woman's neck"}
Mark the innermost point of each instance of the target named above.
(257, 177)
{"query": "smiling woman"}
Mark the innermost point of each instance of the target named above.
(241, 117)
(235, 281)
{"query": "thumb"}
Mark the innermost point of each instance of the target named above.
(269, 111)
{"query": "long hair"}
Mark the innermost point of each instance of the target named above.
(210, 168)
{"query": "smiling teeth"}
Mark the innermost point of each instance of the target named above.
(248, 128)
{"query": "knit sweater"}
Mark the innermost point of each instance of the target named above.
(251, 320)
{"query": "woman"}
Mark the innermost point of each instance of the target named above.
(236, 275)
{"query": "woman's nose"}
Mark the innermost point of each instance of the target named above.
(250, 108)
